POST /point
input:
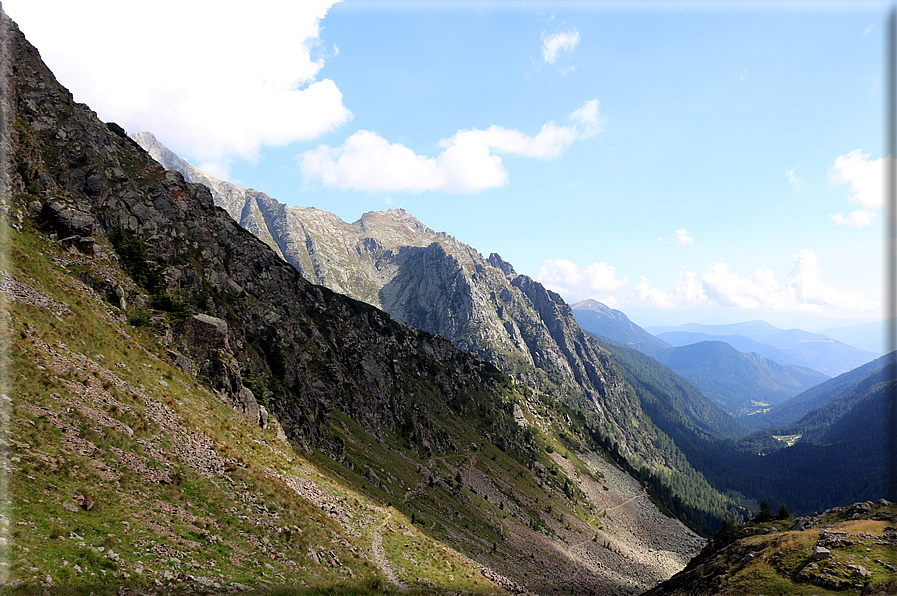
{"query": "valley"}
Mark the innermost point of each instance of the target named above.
(207, 391)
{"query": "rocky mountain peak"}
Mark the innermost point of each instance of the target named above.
(496, 261)
(431, 281)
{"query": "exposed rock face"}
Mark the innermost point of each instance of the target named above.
(205, 339)
(431, 281)
(312, 350)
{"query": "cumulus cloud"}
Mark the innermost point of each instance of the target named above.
(760, 290)
(863, 174)
(688, 290)
(574, 284)
(865, 177)
(648, 295)
(468, 163)
(803, 292)
(554, 44)
(209, 89)
(610, 302)
(682, 237)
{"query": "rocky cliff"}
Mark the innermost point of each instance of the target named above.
(434, 282)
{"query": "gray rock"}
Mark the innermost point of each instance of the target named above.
(821, 554)
(431, 281)
(204, 332)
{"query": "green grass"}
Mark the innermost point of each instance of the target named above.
(217, 522)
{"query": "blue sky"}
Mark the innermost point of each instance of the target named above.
(706, 162)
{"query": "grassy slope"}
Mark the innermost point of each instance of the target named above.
(770, 558)
(185, 491)
(180, 483)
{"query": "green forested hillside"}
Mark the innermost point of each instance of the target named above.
(742, 384)
(838, 458)
(795, 408)
(673, 400)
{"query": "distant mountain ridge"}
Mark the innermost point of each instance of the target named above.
(741, 383)
(602, 320)
(739, 342)
(791, 346)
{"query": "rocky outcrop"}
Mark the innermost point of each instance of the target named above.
(204, 341)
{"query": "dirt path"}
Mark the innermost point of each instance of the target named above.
(380, 556)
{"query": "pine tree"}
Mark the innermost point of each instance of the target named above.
(765, 512)
(783, 512)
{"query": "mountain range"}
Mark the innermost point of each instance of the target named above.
(792, 346)
(215, 392)
(743, 384)
(432, 281)
(824, 446)
(466, 298)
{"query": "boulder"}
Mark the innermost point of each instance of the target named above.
(807, 571)
(821, 554)
(67, 221)
(202, 332)
(244, 402)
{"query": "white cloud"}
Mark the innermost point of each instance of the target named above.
(553, 45)
(688, 290)
(809, 289)
(793, 179)
(202, 83)
(468, 163)
(865, 177)
(860, 218)
(863, 174)
(610, 302)
(801, 291)
(682, 237)
(645, 293)
(574, 284)
(761, 291)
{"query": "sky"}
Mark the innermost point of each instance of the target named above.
(701, 162)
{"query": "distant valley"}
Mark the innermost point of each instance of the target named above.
(745, 376)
